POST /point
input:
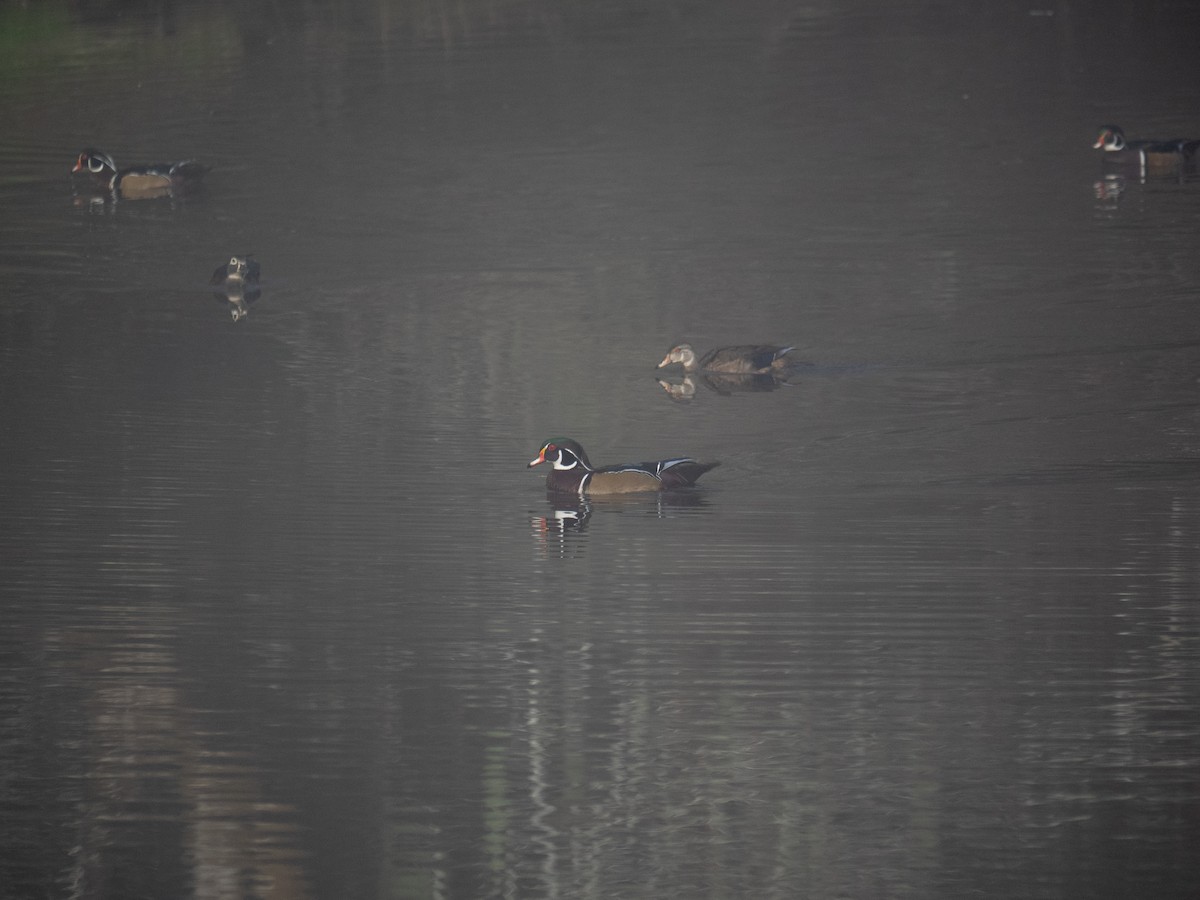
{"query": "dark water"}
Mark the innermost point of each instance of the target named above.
(284, 614)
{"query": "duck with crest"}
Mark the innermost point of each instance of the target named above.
(572, 472)
(240, 270)
(743, 359)
(98, 170)
(1162, 155)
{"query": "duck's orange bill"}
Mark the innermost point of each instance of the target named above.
(541, 458)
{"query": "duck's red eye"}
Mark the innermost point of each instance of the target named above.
(550, 448)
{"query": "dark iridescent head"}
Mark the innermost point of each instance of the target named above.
(562, 453)
(1111, 138)
(95, 163)
(239, 270)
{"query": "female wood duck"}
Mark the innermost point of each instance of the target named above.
(238, 271)
(1168, 154)
(573, 473)
(744, 359)
(154, 180)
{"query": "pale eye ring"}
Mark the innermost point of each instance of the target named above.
(95, 165)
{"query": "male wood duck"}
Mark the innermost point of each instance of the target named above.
(744, 359)
(1169, 154)
(238, 271)
(573, 473)
(154, 180)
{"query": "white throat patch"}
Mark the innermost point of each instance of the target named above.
(561, 466)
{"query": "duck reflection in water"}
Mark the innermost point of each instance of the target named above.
(684, 391)
(1108, 190)
(568, 515)
(566, 524)
(238, 283)
(239, 300)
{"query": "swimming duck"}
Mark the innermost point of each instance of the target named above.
(1152, 154)
(153, 180)
(573, 473)
(744, 359)
(239, 270)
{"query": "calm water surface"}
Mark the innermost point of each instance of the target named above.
(285, 615)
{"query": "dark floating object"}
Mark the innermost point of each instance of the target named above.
(573, 473)
(1148, 155)
(238, 271)
(97, 170)
(744, 359)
